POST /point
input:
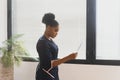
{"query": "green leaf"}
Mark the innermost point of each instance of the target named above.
(12, 50)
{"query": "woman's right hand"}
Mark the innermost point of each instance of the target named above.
(72, 56)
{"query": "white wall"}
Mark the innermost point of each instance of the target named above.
(71, 72)
(3, 21)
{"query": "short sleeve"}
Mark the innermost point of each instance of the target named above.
(44, 54)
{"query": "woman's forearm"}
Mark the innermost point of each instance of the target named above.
(65, 59)
(59, 61)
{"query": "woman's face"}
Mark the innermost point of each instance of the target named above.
(53, 31)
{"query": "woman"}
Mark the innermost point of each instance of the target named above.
(47, 68)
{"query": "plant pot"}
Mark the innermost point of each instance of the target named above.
(6, 73)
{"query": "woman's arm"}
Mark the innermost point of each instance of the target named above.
(65, 59)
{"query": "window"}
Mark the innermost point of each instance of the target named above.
(96, 24)
(108, 30)
(71, 15)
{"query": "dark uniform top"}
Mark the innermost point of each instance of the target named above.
(47, 51)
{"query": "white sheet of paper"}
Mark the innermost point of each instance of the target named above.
(79, 47)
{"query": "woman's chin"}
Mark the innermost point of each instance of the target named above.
(53, 36)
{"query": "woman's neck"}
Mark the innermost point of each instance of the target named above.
(47, 36)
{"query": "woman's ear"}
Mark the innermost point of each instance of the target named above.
(47, 27)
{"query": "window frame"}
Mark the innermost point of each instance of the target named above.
(90, 37)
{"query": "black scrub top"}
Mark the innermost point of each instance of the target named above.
(47, 51)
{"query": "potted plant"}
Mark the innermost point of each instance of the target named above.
(11, 51)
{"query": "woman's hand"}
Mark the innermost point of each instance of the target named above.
(55, 62)
(72, 56)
